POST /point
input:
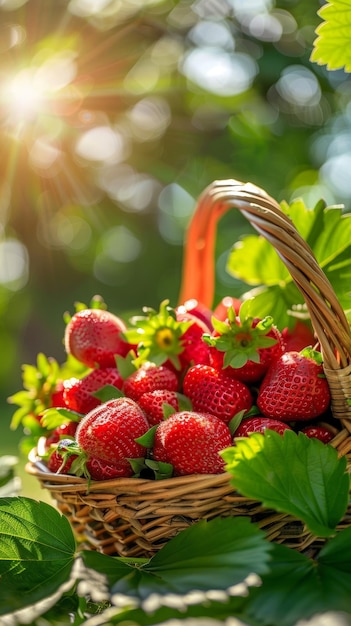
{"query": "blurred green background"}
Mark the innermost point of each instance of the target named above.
(114, 116)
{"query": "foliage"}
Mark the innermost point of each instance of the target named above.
(332, 45)
(220, 568)
(283, 465)
(253, 260)
(77, 223)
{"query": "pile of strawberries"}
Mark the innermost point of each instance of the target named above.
(162, 395)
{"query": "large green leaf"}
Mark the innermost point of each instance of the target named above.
(254, 261)
(297, 588)
(292, 474)
(332, 44)
(37, 551)
(213, 554)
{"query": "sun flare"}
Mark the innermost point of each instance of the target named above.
(23, 97)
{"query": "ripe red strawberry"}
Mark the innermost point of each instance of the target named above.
(153, 403)
(57, 396)
(60, 460)
(168, 337)
(295, 388)
(195, 350)
(191, 442)
(64, 431)
(94, 337)
(109, 432)
(244, 346)
(101, 470)
(299, 337)
(77, 392)
(212, 391)
(194, 307)
(318, 432)
(258, 424)
(148, 378)
(221, 310)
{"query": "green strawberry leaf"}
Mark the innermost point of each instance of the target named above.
(54, 417)
(125, 364)
(254, 261)
(297, 587)
(215, 554)
(293, 474)
(147, 439)
(160, 469)
(7, 465)
(332, 44)
(234, 549)
(294, 589)
(37, 551)
(108, 392)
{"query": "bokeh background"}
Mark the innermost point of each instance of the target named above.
(114, 116)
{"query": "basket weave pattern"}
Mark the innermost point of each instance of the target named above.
(136, 517)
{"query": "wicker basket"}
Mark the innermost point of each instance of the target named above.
(136, 517)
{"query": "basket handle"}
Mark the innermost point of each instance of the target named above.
(264, 213)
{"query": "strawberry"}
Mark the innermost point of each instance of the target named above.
(57, 399)
(191, 442)
(244, 346)
(258, 424)
(94, 337)
(168, 337)
(98, 469)
(318, 432)
(197, 309)
(109, 431)
(78, 392)
(153, 403)
(212, 391)
(195, 350)
(295, 387)
(148, 378)
(64, 431)
(221, 310)
(299, 337)
(61, 459)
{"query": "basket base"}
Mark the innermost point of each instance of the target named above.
(135, 517)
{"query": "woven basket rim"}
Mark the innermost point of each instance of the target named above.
(37, 468)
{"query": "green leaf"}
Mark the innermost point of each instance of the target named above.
(254, 261)
(297, 587)
(54, 417)
(261, 266)
(292, 474)
(147, 439)
(211, 555)
(332, 44)
(113, 569)
(108, 392)
(37, 550)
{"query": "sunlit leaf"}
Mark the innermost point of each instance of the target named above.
(254, 260)
(37, 550)
(332, 44)
(292, 474)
